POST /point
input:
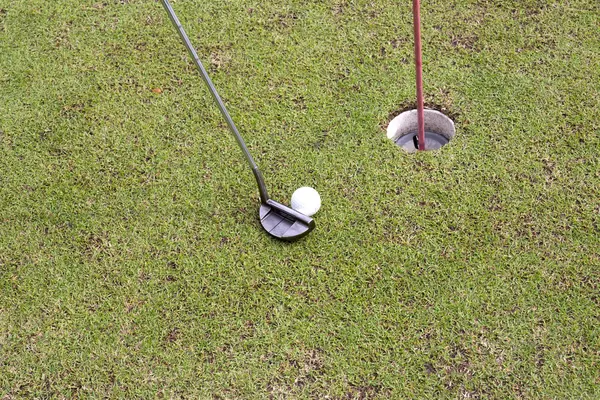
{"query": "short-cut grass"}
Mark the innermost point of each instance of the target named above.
(132, 264)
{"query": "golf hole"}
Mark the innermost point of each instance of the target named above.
(439, 130)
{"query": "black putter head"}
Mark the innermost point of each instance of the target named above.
(284, 223)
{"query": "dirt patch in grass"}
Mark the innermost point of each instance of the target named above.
(365, 392)
(3, 13)
(296, 374)
(172, 336)
(96, 246)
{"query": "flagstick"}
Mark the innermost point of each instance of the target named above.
(419, 74)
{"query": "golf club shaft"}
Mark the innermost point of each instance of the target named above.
(419, 73)
(186, 41)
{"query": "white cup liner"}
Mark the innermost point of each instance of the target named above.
(439, 130)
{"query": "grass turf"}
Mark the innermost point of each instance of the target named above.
(131, 261)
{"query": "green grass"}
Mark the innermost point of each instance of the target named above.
(132, 264)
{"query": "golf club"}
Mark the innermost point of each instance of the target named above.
(278, 220)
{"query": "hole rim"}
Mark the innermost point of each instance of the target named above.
(405, 124)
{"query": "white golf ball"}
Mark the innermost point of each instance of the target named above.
(306, 200)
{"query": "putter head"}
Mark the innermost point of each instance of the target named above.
(284, 223)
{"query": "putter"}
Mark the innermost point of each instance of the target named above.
(278, 220)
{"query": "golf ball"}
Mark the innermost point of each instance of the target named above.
(306, 200)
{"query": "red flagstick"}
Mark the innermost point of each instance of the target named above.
(419, 68)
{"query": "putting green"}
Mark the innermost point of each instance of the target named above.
(132, 261)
